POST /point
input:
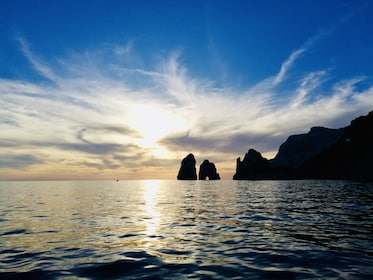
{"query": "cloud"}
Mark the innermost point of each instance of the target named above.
(18, 161)
(91, 148)
(35, 62)
(231, 144)
(113, 113)
(308, 44)
(287, 64)
(309, 83)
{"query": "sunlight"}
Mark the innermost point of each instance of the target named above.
(151, 188)
(153, 124)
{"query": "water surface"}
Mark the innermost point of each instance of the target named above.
(186, 229)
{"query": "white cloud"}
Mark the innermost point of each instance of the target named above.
(35, 62)
(308, 84)
(287, 64)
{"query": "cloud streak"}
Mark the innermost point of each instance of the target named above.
(18, 161)
(98, 115)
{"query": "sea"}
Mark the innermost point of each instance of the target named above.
(169, 229)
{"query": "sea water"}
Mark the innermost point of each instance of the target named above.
(170, 229)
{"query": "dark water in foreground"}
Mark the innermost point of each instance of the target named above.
(186, 229)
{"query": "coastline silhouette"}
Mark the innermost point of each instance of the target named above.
(322, 153)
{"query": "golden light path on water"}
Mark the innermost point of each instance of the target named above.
(151, 189)
(192, 229)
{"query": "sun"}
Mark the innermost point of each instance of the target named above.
(153, 123)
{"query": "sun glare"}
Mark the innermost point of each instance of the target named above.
(153, 124)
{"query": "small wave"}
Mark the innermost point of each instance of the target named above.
(129, 235)
(243, 234)
(131, 264)
(174, 252)
(16, 231)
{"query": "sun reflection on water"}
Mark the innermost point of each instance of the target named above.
(151, 190)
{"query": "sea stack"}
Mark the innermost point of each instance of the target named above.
(208, 170)
(188, 168)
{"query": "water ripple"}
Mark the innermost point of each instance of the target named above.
(184, 230)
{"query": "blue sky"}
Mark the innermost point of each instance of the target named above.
(97, 89)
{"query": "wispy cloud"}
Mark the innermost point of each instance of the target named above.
(287, 64)
(35, 61)
(115, 114)
(308, 84)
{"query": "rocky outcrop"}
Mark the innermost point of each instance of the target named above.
(322, 153)
(252, 167)
(208, 170)
(351, 158)
(299, 148)
(187, 169)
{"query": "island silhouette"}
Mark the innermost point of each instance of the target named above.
(322, 153)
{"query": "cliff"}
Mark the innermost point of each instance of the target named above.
(350, 158)
(322, 153)
(299, 148)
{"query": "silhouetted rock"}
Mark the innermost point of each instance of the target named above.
(208, 170)
(322, 153)
(299, 148)
(188, 168)
(252, 167)
(351, 158)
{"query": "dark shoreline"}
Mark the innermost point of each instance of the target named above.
(321, 154)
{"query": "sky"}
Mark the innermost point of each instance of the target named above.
(99, 89)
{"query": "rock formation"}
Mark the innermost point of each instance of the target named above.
(299, 148)
(208, 170)
(188, 168)
(351, 158)
(322, 153)
(253, 166)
